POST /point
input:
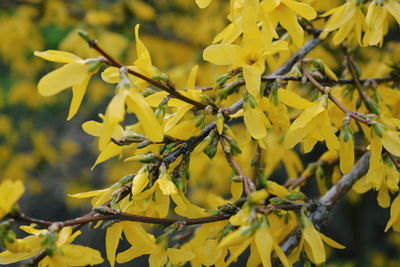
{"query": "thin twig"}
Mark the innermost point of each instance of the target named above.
(168, 88)
(351, 66)
(248, 184)
(324, 90)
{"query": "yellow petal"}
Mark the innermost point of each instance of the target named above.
(166, 185)
(281, 255)
(307, 115)
(254, 123)
(113, 234)
(391, 142)
(6, 257)
(331, 242)
(303, 9)
(192, 78)
(346, 153)
(162, 202)
(92, 193)
(236, 190)
(10, 192)
(111, 75)
(179, 256)
(252, 77)
(180, 112)
(222, 54)
(330, 72)
(136, 235)
(394, 8)
(288, 20)
(143, 61)
(277, 189)
(313, 240)
(111, 150)
(394, 213)
(140, 181)
(292, 99)
(148, 121)
(234, 238)
(76, 255)
(78, 91)
(184, 130)
(62, 78)
(264, 242)
(58, 56)
(93, 128)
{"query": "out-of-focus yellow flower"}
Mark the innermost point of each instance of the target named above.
(203, 3)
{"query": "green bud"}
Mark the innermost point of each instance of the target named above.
(200, 120)
(85, 36)
(235, 150)
(143, 158)
(144, 144)
(378, 129)
(294, 195)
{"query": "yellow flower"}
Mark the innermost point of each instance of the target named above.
(285, 12)
(250, 55)
(10, 192)
(64, 253)
(21, 249)
(313, 245)
(76, 73)
(378, 21)
(256, 122)
(311, 126)
(71, 255)
(394, 220)
(348, 20)
(142, 64)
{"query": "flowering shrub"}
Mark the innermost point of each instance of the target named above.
(277, 97)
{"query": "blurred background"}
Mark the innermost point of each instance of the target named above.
(54, 156)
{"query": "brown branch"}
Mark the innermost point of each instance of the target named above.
(248, 184)
(351, 66)
(324, 89)
(323, 81)
(169, 88)
(325, 204)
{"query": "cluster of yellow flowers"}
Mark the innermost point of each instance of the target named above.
(193, 142)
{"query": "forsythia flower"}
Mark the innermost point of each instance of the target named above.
(285, 12)
(71, 255)
(250, 55)
(311, 126)
(76, 74)
(313, 245)
(348, 20)
(378, 20)
(10, 192)
(64, 253)
(142, 64)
